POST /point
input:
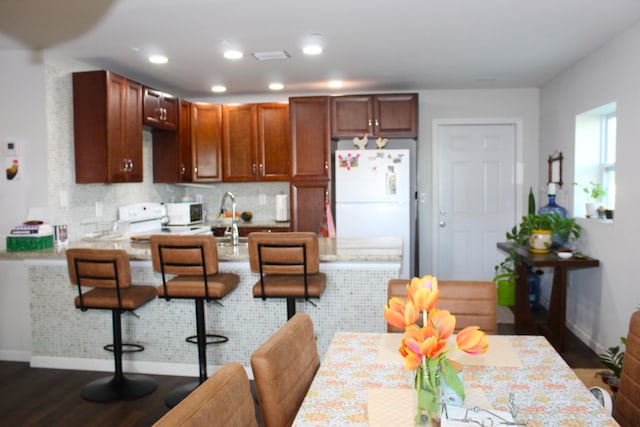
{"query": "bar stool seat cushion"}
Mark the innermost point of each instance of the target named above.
(131, 297)
(218, 284)
(282, 286)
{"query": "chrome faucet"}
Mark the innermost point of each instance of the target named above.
(233, 229)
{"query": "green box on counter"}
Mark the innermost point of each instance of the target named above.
(29, 243)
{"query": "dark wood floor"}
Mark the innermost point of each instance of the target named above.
(51, 397)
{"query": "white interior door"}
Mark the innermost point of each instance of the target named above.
(476, 198)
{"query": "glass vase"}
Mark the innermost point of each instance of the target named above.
(429, 390)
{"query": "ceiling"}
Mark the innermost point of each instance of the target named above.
(372, 45)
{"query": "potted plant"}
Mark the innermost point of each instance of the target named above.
(595, 192)
(612, 359)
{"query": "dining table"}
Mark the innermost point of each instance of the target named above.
(362, 381)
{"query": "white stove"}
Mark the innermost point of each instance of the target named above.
(150, 218)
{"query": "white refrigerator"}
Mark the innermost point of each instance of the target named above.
(373, 197)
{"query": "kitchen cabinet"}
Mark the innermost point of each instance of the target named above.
(385, 115)
(107, 112)
(255, 143)
(160, 110)
(172, 149)
(310, 138)
(308, 204)
(311, 163)
(206, 142)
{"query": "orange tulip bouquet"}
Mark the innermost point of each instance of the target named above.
(424, 348)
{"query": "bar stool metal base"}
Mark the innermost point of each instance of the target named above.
(110, 389)
(177, 394)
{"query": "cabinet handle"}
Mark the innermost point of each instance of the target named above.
(260, 166)
(183, 169)
(164, 114)
(377, 124)
(253, 168)
(369, 122)
(326, 165)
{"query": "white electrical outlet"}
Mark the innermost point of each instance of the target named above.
(262, 199)
(64, 198)
(98, 209)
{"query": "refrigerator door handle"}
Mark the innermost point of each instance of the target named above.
(443, 224)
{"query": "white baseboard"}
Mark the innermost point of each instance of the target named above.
(15, 356)
(129, 366)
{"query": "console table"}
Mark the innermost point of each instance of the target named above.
(554, 327)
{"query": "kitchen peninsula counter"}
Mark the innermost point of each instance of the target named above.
(64, 337)
(331, 250)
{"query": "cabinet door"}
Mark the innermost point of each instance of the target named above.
(160, 110)
(206, 142)
(172, 149)
(124, 129)
(184, 141)
(308, 204)
(310, 138)
(132, 130)
(351, 116)
(396, 115)
(239, 136)
(274, 148)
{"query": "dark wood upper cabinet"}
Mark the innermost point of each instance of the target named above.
(172, 149)
(107, 111)
(255, 142)
(160, 110)
(206, 142)
(310, 138)
(385, 115)
(239, 142)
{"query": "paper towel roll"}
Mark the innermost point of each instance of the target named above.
(282, 207)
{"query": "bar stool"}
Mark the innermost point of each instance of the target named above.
(108, 272)
(193, 259)
(289, 267)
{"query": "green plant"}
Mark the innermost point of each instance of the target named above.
(613, 357)
(562, 228)
(594, 191)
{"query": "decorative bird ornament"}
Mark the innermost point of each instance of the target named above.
(381, 142)
(361, 143)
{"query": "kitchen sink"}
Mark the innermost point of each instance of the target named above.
(226, 241)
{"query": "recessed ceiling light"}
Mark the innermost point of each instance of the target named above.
(312, 50)
(218, 89)
(335, 84)
(276, 86)
(233, 54)
(158, 59)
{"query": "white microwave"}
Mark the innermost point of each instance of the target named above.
(185, 213)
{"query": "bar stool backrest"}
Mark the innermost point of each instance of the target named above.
(626, 409)
(289, 253)
(184, 255)
(99, 268)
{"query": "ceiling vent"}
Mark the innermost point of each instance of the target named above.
(269, 56)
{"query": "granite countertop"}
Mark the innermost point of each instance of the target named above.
(331, 250)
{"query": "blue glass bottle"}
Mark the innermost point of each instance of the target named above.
(552, 207)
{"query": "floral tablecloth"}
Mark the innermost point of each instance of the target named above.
(546, 390)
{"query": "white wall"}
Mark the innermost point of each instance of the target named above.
(22, 117)
(521, 104)
(600, 301)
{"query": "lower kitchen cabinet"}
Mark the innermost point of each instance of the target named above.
(308, 204)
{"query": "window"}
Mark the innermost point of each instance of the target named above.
(595, 157)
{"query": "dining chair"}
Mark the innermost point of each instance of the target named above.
(289, 267)
(626, 409)
(472, 302)
(108, 273)
(283, 369)
(223, 400)
(189, 268)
